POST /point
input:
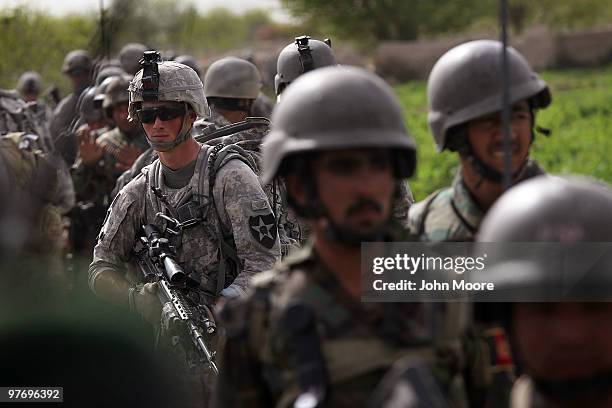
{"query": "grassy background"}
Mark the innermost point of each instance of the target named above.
(579, 119)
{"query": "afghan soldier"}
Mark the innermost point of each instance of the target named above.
(305, 55)
(21, 117)
(563, 344)
(303, 336)
(231, 85)
(465, 99)
(78, 67)
(184, 184)
(34, 229)
(102, 160)
(29, 87)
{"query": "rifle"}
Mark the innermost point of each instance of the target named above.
(184, 315)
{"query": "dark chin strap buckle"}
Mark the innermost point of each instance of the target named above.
(306, 59)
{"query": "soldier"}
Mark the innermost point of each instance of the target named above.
(102, 159)
(302, 336)
(305, 55)
(29, 86)
(563, 345)
(127, 140)
(464, 94)
(129, 57)
(231, 85)
(78, 67)
(299, 57)
(189, 181)
(34, 228)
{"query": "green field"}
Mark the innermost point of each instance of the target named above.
(580, 119)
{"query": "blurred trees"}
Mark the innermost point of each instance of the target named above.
(379, 20)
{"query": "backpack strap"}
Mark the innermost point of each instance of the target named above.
(219, 156)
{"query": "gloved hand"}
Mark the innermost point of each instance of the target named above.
(147, 303)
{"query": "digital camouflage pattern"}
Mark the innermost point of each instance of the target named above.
(452, 214)
(240, 203)
(359, 341)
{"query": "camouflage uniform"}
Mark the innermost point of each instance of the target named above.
(241, 206)
(359, 341)
(18, 116)
(232, 229)
(452, 214)
(34, 179)
(94, 186)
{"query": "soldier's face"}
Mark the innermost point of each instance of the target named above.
(165, 130)
(356, 187)
(485, 136)
(120, 117)
(564, 341)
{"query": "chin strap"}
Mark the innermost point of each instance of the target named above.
(183, 134)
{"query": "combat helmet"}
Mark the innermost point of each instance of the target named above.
(325, 110)
(466, 83)
(167, 81)
(116, 93)
(87, 109)
(130, 55)
(29, 82)
(299, 57)
(77, 61)
(232, 77)
(549, 209)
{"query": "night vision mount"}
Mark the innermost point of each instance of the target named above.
(150, 75)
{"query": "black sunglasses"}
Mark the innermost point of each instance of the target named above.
(164, 113)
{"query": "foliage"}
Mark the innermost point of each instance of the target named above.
(35, 41)
(579, 118)
(379, 20)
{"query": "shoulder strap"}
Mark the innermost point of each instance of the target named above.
(218, 157)
(428, 201)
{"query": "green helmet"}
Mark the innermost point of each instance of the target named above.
(299, 57)
(232, 77)
(336, 108)
(75, 61)
(167, 81)
(29, 82)
(466, 83)
(116, 93)
(107, 72)
(130, 55)
(86, 107)
(548, 209)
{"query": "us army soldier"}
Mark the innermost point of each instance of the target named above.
(303, 337)
(213, 211)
